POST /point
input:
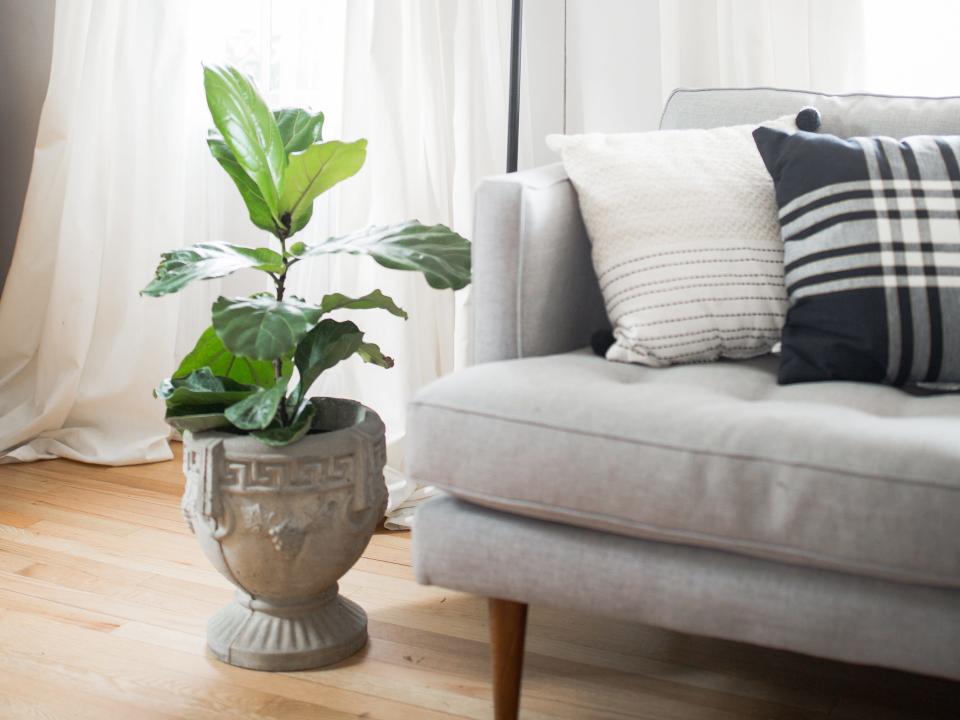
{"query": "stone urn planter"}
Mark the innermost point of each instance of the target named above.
(283, 524)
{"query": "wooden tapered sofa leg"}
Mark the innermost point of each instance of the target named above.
(508, 626)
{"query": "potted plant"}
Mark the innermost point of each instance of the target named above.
(284, 490)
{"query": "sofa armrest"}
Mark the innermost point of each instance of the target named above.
(534, 288)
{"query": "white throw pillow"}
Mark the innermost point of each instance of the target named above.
(686, 241)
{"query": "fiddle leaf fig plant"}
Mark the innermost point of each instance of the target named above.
(238, 376)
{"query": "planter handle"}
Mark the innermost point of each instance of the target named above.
(203, 465)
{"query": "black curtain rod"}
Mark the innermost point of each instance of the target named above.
(513, 105)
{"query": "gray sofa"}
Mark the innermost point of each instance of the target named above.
(821, 518)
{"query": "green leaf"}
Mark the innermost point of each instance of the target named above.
(316, 170)
(260, 327)
(376, 299)
(323, 347)
(260, 214)
(300, 222)
(202, 388)
(371, 353)
(196, 418)
(210, 352)
(257, 411)
(248, 128)
(178, 268)
(440, 254)
(285, 434)
(299, 128)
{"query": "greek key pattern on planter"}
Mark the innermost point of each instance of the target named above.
(211, 475)
(326, 474)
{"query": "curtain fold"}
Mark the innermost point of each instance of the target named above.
(81, 350)
(122, 173)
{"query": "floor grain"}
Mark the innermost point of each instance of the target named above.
(104, 596)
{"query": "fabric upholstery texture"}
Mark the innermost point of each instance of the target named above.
(686, 244)
(850, 476)
(534, 291)
(858, 619)
(871, 233)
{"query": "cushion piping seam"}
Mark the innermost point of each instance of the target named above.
(518, 290)
(680, 448)
(677, 91)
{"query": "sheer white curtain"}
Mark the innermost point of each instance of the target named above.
(121, 173)
(108, 190)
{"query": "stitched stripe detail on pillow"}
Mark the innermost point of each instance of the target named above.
(728, 301)
(685, 241)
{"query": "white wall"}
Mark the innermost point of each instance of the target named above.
(26, 41)
(613, 65)
(624, 57)
(610, 53)
(541, 105)
(588, 66)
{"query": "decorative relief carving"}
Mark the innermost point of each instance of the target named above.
(268, 474)
(340, 478)
(189, 499)
(380, 454)
(191, 459)
(369, 496)
(331, 473)
(252, 517)
(287, 538)
(284, 524)
(193, 470)
(235, 474)
(287, 530)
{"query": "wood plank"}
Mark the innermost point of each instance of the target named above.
(104, 597)
(25, 695)
(59, 539)
(57, 505)
(115, 672)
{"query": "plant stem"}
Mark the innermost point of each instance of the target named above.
(280, 281)
(278, 371)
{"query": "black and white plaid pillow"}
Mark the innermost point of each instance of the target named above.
(871, 231)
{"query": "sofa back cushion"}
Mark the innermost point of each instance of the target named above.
(842, 115)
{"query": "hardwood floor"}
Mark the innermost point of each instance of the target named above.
(104, 595)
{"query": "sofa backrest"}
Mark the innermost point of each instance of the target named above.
(841, 115)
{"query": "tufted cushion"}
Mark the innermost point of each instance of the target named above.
(853, 477)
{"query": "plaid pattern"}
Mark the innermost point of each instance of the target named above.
(871, 230)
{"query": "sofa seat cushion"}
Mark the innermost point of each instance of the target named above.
(854, 477)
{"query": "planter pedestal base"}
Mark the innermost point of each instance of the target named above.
(256, 634)
(284, 524)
